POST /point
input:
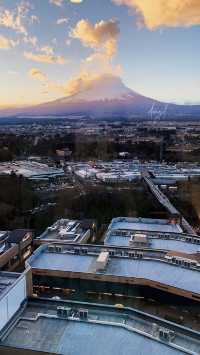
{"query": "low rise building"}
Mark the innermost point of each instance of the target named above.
(148, 225)
(120, 171)
(34, 325)
(15, 248)
(150, 233)
(31, 170)
(77, 267)
(65, 327)
(69, 231)
(13, 292)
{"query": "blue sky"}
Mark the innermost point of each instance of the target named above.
(40, 59)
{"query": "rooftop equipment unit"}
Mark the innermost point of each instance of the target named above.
(197, 241)
(138, 240)
(164, 236)
(111, 252)
(131, 255)
(183, 262)
(63, 312)
(155, 329)
(51, 248)
(139, 255)
(83, 313)
(120, 232)
(58, 249)
(166, 334)
(102, 261)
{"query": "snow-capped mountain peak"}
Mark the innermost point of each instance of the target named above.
(107, 87)
(105, 96)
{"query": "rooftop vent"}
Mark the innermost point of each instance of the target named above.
(83, 313)
(111, 252)
(182, 261)
(166, 334)
(51, 248)
(58, 249)
(120, 232)
(139, 239)
(131, 255)
(64, 312)
(102, 261)
(137, 255)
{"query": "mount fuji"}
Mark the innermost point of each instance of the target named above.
(105, 97)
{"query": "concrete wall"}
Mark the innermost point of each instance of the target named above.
(6, 350)
(12, 300)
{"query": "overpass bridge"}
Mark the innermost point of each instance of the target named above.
(165, 202)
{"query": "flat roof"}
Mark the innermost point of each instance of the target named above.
(106, 331)
(174, 244)
(155, 243)
(64, 230)
(29, 169)
(7, 280)
(144, 224)
(117, 240)
(150, 269)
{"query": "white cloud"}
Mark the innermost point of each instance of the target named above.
(61, 21)
(34, 19)
(37, 74)
(32, 40)
(165, 13)
(102, 36)
(68, 42)
(56, 2)
(6, 43)
(45, 58)
(102, 39)
(92, 69)
(61, 2)
(47, 50)
(13, 72)
(15, 19)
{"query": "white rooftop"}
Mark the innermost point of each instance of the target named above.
(29, 169)
(144, 224)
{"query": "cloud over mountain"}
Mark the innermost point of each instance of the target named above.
(103, 96)
(101, 36)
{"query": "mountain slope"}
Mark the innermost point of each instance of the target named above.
(105, 97)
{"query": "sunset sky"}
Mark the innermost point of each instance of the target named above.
(53, 48)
